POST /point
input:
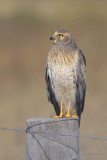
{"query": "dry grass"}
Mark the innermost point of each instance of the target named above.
(25, 29)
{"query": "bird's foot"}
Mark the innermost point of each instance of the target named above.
(74, 116)
(68, 113)
(67, 116)
(60, 116)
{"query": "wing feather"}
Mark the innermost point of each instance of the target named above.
(80, 83)
(50, 92)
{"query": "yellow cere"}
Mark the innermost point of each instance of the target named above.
(53, 35)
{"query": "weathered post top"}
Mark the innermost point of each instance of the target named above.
(52, 139)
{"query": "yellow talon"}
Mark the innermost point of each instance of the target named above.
(61, 113)
(74, 116)
(68, 113)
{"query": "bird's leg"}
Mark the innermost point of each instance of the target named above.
(74, 114)
(68, 113)
(61, 113)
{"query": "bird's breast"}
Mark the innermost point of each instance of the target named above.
(62, 68)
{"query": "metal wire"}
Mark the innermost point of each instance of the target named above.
(12, 129)
(28, 154)
(55, 121)
(50, 133)
(40, 146)
(47, 134)
(57, 141)
(60, 134)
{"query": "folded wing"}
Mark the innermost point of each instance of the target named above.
(80, 83)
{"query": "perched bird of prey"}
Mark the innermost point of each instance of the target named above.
(65, 75)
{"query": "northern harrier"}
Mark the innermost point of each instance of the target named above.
(65, 75)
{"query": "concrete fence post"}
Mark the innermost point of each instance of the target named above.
(52, 139)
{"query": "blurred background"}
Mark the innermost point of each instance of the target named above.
(25, 29)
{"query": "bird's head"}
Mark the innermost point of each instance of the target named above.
(63, 37)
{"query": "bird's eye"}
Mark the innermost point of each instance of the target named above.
(60, 35)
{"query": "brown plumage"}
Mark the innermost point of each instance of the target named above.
(65, 74)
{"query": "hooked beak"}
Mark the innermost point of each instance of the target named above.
(51, 38)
